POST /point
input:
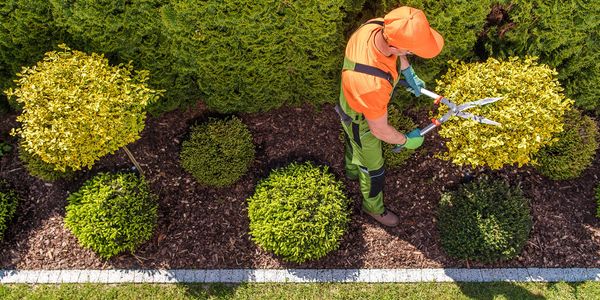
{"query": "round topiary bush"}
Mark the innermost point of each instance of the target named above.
(530, 113)
(574, 151)
(299, 212)
(484, 221)
(41, 169)
(218, 152)
(78, 108)
(8, 205)
(403, 124)
(112, 213)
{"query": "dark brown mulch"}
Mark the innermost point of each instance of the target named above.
(201, 227)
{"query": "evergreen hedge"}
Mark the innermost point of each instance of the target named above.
(250, 55)
(38, 168)
(564, 34)
(129, 31)
(485, 220)
(299, 212)
(27, 31)
(112, 213)
(574, 151)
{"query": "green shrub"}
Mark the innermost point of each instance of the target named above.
(5, 148)
(218, 152)
(458, 21)
(27, 31)
(250, 55)
(130, 31)
(78, 108)
(564, 34)
(41, 169)
(112, 213)
(530, 113)
(8, 206)
(299, 212)
(574, 151)
(403, 124)
(485, 221)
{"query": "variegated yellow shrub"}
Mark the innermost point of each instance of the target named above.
(77, 108)
(531, 112)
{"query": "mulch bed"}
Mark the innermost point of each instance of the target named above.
(202, 227)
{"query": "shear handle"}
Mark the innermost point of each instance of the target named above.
(425, 92)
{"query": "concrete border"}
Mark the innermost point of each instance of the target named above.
(299, 275)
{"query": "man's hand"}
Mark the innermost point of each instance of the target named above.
(413, 81)
(414, 140)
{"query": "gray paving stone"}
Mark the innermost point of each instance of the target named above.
(48, 276)
(184, 275)
(594, 274)
(344, 275)
(505, 274)
(212, 276)
(31, 276)
(461, 275)
(413, 275)
(234, 275)
(9, 276)
(69, 276)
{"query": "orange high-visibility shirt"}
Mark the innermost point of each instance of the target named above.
(368, 94)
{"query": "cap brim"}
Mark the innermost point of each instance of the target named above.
(431, 47)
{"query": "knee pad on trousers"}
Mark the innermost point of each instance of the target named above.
(377, 180)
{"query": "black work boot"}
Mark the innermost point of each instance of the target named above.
(387, 218)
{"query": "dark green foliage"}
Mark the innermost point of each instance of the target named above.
(485, 221)
(26, 33)
(459, 22)
(257, 55)
(112, 213)
(218, 152)
(574, 151)
(4, 148)
(564, 34)
(403, 124)
(130, 31)
(8, 205)
(41, 169)
(299, 212)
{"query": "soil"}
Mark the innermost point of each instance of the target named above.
(202, 227)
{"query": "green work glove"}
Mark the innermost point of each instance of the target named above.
(414, 140)
(413, 81)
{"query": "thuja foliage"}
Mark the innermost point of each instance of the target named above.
(459, 22)
(27, 31)
(112, 213)
(403, 124)
(78, 108)
(36, 167)
(8, 205)
(129, 31)
(531, 111)
(250, 55)
(299, 212)
(564, 34)
(485, 220)
(574, 151)
(218, 152)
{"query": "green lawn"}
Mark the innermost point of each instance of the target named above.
(499, 290)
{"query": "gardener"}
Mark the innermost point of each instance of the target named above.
(368, 79)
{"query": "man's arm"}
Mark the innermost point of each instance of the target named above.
(383, 131)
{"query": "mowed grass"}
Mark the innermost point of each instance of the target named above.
(496, 290)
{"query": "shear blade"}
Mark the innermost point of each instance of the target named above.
(477, 118)
(479, 102)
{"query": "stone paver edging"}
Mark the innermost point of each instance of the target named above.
(300, 275)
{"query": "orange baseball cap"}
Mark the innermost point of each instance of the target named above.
(407, 28)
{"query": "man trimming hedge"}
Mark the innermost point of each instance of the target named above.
(368, 79)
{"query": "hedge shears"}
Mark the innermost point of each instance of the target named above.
(454, 110)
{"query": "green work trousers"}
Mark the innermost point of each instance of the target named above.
(363, 157)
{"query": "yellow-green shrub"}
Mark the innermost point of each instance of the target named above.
(574, 151)
(77, 108)
(531, 112)
(41, 169)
